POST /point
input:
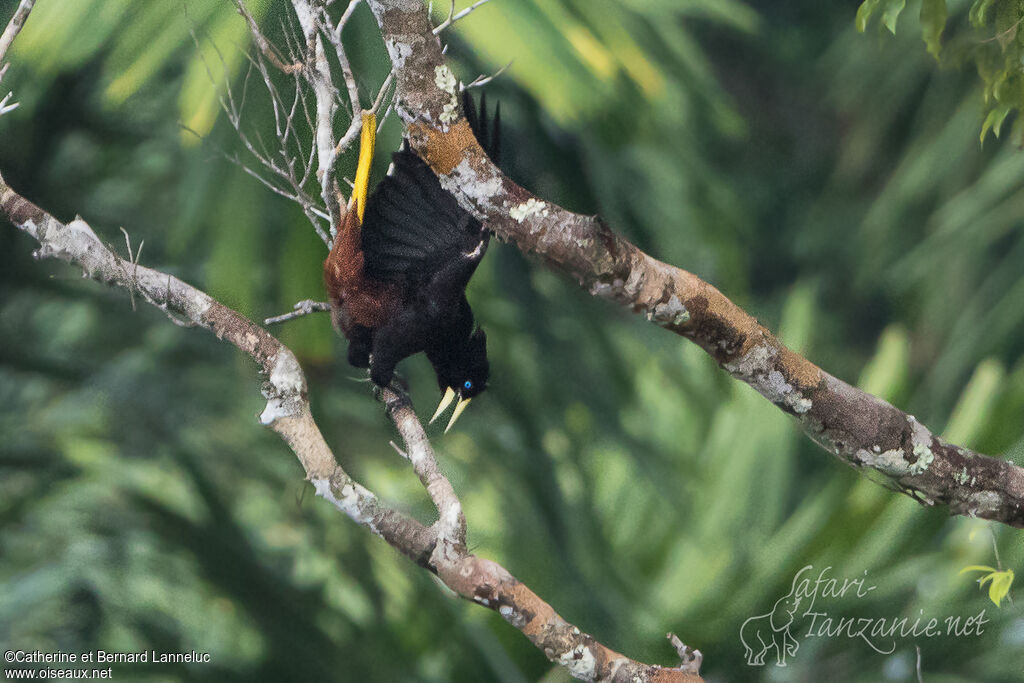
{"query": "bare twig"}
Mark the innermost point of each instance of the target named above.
(482, 80)
(333, 34)
(382, 93)
(263, 44)
(302, 308)
(453, 17)
(4, 106)
(288, 167)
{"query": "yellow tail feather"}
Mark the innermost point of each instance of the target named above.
(366, 142)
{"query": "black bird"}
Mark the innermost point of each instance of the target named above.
(397, 273)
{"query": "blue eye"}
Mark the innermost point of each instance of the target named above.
(467, 384)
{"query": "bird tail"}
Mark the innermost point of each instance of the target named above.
(488, 134)
(367, 139)
(343, 268)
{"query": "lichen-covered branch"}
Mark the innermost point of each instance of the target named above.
(451, 524)
(860, 429)
(441, 547)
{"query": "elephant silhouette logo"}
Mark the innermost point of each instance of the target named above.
(767, 632)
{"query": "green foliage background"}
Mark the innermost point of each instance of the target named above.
(831, 183)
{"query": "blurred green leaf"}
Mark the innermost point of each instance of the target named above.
(975, 404)
(933, 21)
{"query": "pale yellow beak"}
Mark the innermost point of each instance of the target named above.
(446, 400)
(459, 407)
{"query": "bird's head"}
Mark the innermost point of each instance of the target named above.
(463, 375)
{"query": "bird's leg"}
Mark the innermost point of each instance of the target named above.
(391, 343)
(360, 344)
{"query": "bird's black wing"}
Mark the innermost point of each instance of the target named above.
(413, 228)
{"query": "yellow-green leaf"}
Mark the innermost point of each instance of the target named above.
(978, 15)
(1000, 581)
(892, 13)
(864, 12)
(994, 121)
(933, 20)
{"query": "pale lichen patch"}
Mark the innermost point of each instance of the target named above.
(398, 50)
(347, 500)
(286, 375)
(285, 388)
(921, 439)
(446, 82)
(961, 477)
(450, 112)
(756, 368)
(444, 79)
(531, 207)
(274, 410)
(580, 662)
(798, 403)
(925, 456)
(464, 180)
(669, 313)
(754, 362)
(891, 462)
(512, 616)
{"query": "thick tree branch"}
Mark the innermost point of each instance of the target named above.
(862, 430)
(441, 548)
